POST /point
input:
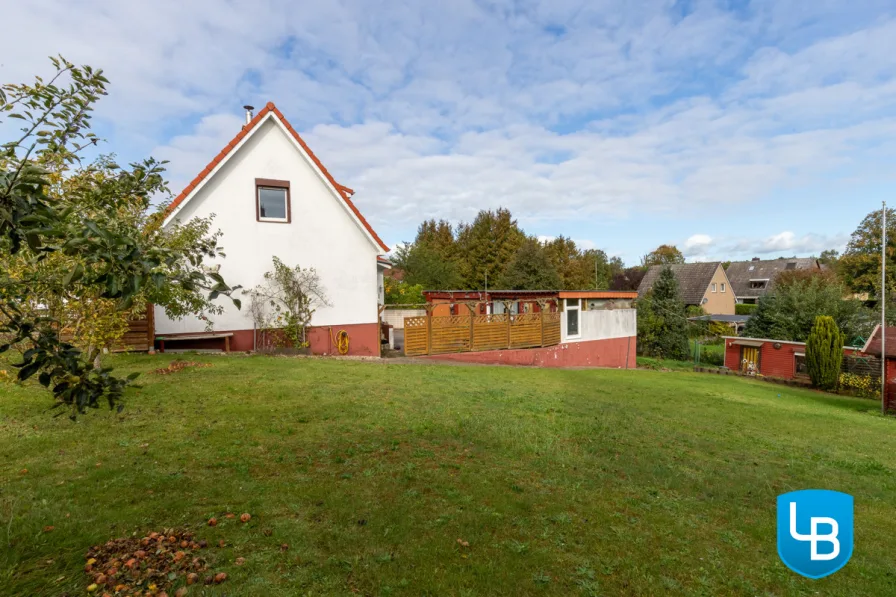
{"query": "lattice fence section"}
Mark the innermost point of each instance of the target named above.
(416, 331)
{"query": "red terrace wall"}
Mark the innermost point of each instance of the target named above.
(364, 340)
(615, 352)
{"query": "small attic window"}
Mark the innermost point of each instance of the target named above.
(272, 200)
(791, 265)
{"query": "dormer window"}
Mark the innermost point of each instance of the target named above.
(272, 200)
(758, 284)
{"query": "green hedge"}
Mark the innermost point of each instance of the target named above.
(744, 309)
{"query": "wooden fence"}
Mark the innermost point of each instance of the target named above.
(465, 333)
(140, 336)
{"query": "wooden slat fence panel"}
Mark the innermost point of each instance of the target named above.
(551, 329)
(464, 333)
(525, 330)
(489, 332)
(139, 337)
(450, 333)
(415, 331)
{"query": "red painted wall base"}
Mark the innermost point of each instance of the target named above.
(364, 340)
(618, 353)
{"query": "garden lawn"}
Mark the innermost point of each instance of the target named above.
(584, 482)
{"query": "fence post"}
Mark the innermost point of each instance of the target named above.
(508, 314)
(541, 307)
(428, 331)
(472, 315)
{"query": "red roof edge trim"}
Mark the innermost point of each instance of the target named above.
(343, 191)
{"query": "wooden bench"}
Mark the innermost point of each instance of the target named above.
(203, 336)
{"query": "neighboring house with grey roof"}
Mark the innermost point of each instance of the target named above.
(752, 280)
(702, 284)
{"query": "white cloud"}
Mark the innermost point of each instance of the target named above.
(702, 247)
(563, 111)
(188, 154)
(697, 242)
(787, 243)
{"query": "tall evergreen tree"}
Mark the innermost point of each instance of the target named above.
(487, 245)
(438, 236)
(824, 353)
(530, 269)
(662, 325)
(423, 264)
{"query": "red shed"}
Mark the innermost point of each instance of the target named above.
(872, 348)
(774, 358)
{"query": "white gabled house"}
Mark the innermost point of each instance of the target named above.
(271, 196)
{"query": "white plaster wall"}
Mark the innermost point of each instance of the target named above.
(322, 234)
(602, 325)
(395, 317)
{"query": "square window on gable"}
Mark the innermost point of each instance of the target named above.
(272, 200)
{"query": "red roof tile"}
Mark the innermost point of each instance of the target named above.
(344, 191)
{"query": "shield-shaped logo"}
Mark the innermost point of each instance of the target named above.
(815, 531)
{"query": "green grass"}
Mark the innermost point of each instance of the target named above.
(584, 482)
(712, 355)
(664, 364)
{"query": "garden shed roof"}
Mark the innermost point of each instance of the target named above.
(872, 346)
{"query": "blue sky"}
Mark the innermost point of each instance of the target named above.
(732, 129)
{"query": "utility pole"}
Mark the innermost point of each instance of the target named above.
(883, 311)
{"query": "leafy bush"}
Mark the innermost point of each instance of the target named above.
(789, 313)
(286, 301)
(824, 352)
(401, 293)
(744, 309)
(865, 386)
(712, 357)
(717, 329)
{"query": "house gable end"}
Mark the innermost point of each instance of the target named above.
(270, 113)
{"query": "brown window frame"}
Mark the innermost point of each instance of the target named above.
(270, 183)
